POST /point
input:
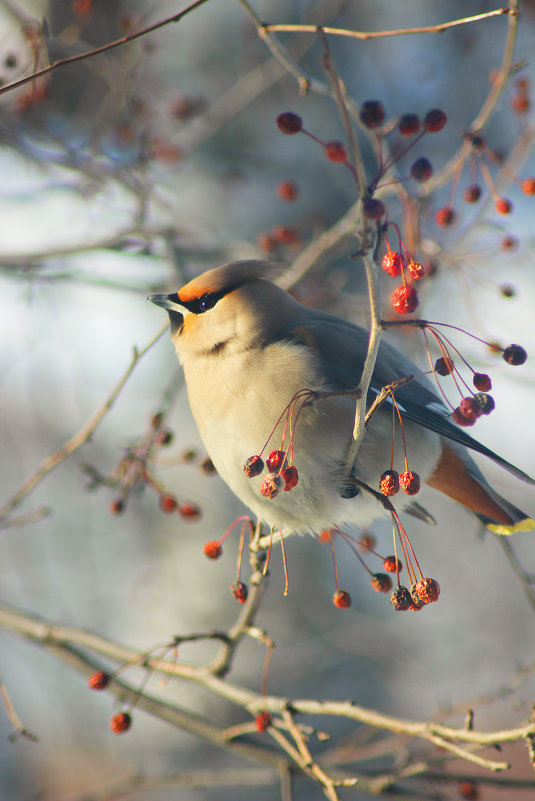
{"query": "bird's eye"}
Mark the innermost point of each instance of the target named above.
(207, 301)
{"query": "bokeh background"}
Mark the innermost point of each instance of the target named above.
(138, 169)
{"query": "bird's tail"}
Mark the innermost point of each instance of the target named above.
(458, 477)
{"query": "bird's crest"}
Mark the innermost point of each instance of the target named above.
(228, 277)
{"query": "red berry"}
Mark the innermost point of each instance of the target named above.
(373, 209)
(405, 299)
(253, 466)
(266, 242)
(482, 382)
(445, 216)
(167, 503)
(239, 591)
(528, 186)
(372, 113)
(288, 190)
(325, 536)
(381, 582)
(427, 590)
(435, 120)
(275, 461)
(503, 206)
(416, 270)
(462, 420)
(522, 84)
(444, 366)
(393, 263)
(472, 193)
(515, 354)
(120, 722)
(422, 169)
(262, 721)
(189, 510)
(366, 542)
(469, 790)
(470, 407)
(117, 506)
(99, 680)
(163, 437)
(507, 290)
(401, 599)
(213, 549)
(417, 603)
(520, 102)
(389, 483)
(291, 478)
(409, 124)
(342, 599)
(289, 123)
(392, 565)
(272, 485)
(509, 243)
(335, 151)
(409, 481)
(285, 236)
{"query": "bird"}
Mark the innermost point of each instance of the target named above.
(253, 359)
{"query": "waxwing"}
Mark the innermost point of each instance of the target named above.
(249, 351)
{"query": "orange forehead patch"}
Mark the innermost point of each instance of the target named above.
(195, 289)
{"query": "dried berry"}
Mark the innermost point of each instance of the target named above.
(435, 120)
(416, 270)
(342, 599)
(189, 510)
(253, 466)
(427, 590)
(472, 193)
(163, 437)
(275, 461)
(120, 722)
(262, 721)
(417, 602)
(381, 582)
(288, 190)
(409, 481)
(373, 209)
(389, 483)
(445, 216)
(289, 123)
(392, 565)
(213, 549)
(335, 151)
(528, 186)
(394, 263)
(515, 354)
(401, 599)
(503, 205)
(405, 299)
(167, 502)
(421, 169)
(409, 124)
(458, 417)
(291, 478)
(272, 485)
(470, 407)
(239, 591)
(486, 402)
(444, 366)
(99, 680)
(482, 382)
(372, 113)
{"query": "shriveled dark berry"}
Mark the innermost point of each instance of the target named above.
(372, 113)
(401, 599)
(289, 123)
(409, 124)
(482, 382)
(253, 466)
(409, 481)
(421, 169)
(239, 591)
(373, 209)
(515, 354)
(435, 120)
(381, 582)
(444, 366)
(275, 461)
(486, 402)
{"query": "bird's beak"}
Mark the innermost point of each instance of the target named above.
(168, 302)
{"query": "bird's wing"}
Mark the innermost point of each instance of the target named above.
(341, 347)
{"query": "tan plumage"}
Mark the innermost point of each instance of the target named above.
(247, 347)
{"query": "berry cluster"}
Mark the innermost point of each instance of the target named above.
(399, 263)
(132, 473)
(422, 590)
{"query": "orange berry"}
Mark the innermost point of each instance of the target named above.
(262, 721)
(394, 263)
(409, 481)
(416, 270)
(342, 599)
(472, 193)
(99, 680)
(120, 723)
(392, 565)
(167, 503)
(503, 206)
(213, 549)
(405, 299)
(239, 591)
(389, 483)
(520, 102)
(381, 582)
(288, 190)
(427, 590)
(528, 186)
(335, 151)
(445, 216)
(189, 510)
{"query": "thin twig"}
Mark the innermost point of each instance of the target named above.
(78, 439)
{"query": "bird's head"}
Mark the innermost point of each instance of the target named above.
(230, 308)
